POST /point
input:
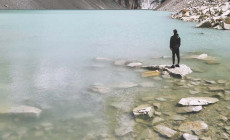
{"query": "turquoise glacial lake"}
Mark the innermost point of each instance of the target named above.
(47, 60)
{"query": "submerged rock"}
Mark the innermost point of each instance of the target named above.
(198, 101)
(143, 110)
(147, 134)
(165, 131)
(21, 110)
(197, 127)
(177, 118)
(126, 85)
(187, 136)
(134, 64)
(147, 84)
(150, 73)
(99, 89)
(216, 89)
(189, 109)
(157, 120)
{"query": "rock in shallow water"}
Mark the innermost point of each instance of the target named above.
(21, 110)
(189, 109)
(147, 134)
(165, 131)
(187, 136)
(143, 110)
(198, 101)
(197, 127)
(177, 72)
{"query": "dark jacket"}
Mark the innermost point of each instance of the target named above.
(174, 42)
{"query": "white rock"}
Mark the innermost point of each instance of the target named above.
(134, 64)
(202, 56)
(22, 110)
(179, 72)
(198, 101)
(187, 136)
(143, 110)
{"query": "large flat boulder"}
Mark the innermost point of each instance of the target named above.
(178, 72)
(21, 110)
(197, 101)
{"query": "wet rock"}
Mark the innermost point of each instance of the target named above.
(157, 120)
(225, 136)
(150, 73)
(145, 110)
(189, 109)
(206, 138)
(134, 64)
(227, 129)
(218, 95)
(193, 92)
(198, 101)
(98, 88)
(197, 127)
(165, 131)
(161, 99)
(21, 110)
(212, 62)
(216, 89)
(147, 99)
(177, 118)
(147, 134)
(187, 136)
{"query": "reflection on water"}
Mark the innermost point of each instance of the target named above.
(47, 61)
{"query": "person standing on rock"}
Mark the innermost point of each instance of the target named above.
(174, 46)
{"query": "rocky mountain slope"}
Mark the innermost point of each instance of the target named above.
(214, 14)
(59, 4)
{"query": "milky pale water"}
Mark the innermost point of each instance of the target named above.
(47, 61)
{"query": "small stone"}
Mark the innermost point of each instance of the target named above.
(193, 92)
(150, 73)
(178, 118)
(206, 138)
(216, 89)
(221, 81)
(157, 120)
(225, 136)
(157, 113)
(161, 99)
(187, 136)
(212, 62)
(165, 131)
(134, 64)
(143, 110)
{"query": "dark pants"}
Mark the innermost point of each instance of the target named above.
(176, 52)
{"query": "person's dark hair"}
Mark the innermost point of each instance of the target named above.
(175, 31)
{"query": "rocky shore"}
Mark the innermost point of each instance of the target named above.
(211, 14)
